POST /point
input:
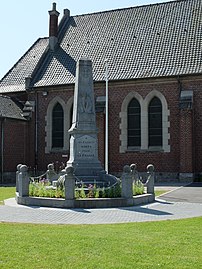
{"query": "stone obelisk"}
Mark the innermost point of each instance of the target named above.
(83, 141)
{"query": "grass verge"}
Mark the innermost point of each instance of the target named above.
(165, 244)
(5, 193)
(160, 192)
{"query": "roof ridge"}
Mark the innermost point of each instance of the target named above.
(133, 7)
(39, 64)
(61, 26)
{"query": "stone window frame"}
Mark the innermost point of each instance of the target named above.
(48, 128)
(144, 104)
(124, 121)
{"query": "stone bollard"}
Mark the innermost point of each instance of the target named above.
(127, 183)
(60, 183)
(17, 174)
(51, 175)
(69, 183)
(150, 179)
(23, 181)
(135, 176)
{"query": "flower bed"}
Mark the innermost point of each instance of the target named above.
(44, 189)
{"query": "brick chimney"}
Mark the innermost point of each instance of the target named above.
(53, 27)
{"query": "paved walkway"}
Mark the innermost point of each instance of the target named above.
(190, 193)
(167, 207)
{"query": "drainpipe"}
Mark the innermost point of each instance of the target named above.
(106, 119)
(36, 133)
(2, 148)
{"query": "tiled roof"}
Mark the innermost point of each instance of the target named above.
(10, 109)
(14, 80)
(139, 42)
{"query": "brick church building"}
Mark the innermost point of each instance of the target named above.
(154, 55)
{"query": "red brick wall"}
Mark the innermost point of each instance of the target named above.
(43, 101)
(196, 86)
(15, 144)
(185, 139)
(170, 162)
(163, 162)
(100, 120)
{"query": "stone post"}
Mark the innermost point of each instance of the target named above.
(17, 175)
(51, 175)
(23, 181)
(69, 183)
(134, 172)
(150, 179)
(127, 183)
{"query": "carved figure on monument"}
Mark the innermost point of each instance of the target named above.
(85, 105)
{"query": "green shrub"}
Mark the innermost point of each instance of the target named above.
(138, 188)
(43, 189)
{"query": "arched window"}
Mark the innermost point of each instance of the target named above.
(155, 122)
(57, 126)
(145, 120)
(58, 109)
(134, 124)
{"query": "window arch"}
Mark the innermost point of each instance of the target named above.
(134, 123)
(57, 126)
(55, 106)
(124, 120)
(147, 111)
(155, 122)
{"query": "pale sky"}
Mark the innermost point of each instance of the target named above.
(22, 22)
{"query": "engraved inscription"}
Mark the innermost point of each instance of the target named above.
(86, 147)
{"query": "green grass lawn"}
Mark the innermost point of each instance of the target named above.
(5, 193)
(159, 192)
(165, 244)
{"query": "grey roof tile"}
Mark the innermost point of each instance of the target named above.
(14, 80)
(139, 42)
(10, 109)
